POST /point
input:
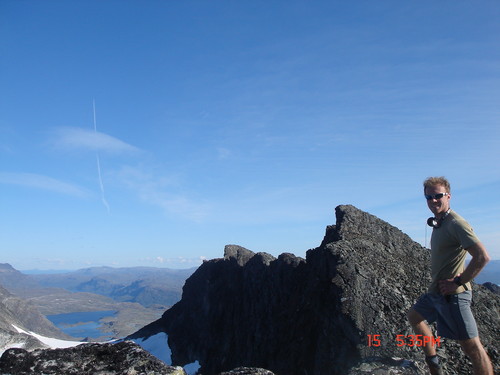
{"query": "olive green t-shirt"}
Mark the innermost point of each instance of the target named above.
(448, 244)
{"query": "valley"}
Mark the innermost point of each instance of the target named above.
(105, 303)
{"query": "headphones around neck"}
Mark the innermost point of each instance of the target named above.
(436, 223)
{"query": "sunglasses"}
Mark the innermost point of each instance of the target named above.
(435, 196)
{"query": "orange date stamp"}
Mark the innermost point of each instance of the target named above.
(406, 340)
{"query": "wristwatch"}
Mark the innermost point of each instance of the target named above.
(457, 280)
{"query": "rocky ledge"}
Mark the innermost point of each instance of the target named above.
(124, 358)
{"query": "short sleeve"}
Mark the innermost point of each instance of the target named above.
(464, 233)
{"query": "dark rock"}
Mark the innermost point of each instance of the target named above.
(295, 316)
(238, 254)
(492, 287)
(92, 359)
(392, 366)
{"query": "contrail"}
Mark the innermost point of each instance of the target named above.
(101, 185)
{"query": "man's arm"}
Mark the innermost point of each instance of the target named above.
(479, 259)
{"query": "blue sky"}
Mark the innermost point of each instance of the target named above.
(238, 122)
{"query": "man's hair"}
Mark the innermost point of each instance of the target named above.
(433, 181)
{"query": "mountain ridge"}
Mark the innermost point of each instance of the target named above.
(312, 315)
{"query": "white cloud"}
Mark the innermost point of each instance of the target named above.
(37, 181)
(70, 137)
(159, 191)
(173, 261)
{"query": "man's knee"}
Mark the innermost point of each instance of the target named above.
(478, 356)
(472, 347)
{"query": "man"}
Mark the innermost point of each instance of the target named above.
(449, 295)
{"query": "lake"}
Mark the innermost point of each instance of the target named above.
(82, 324)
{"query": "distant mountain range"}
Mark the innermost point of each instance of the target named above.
(139, 295)
(147, 286)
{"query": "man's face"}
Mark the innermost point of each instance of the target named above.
(438, 206)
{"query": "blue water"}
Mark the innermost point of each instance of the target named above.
(81, 324)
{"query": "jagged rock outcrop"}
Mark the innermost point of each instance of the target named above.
(87, 359)
(313, 316)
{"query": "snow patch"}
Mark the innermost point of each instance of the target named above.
(19, 345)
(157, 345)
(50, 342)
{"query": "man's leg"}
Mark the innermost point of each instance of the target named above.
(481, 363)
(420, 327)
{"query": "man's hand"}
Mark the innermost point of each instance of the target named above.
(447, 287)
(479, 259)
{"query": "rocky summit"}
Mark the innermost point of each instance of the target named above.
(342, 310)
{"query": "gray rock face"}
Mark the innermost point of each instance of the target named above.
(315, 316)
(87, 359)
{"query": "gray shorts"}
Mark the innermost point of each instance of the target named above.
(452, 313)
